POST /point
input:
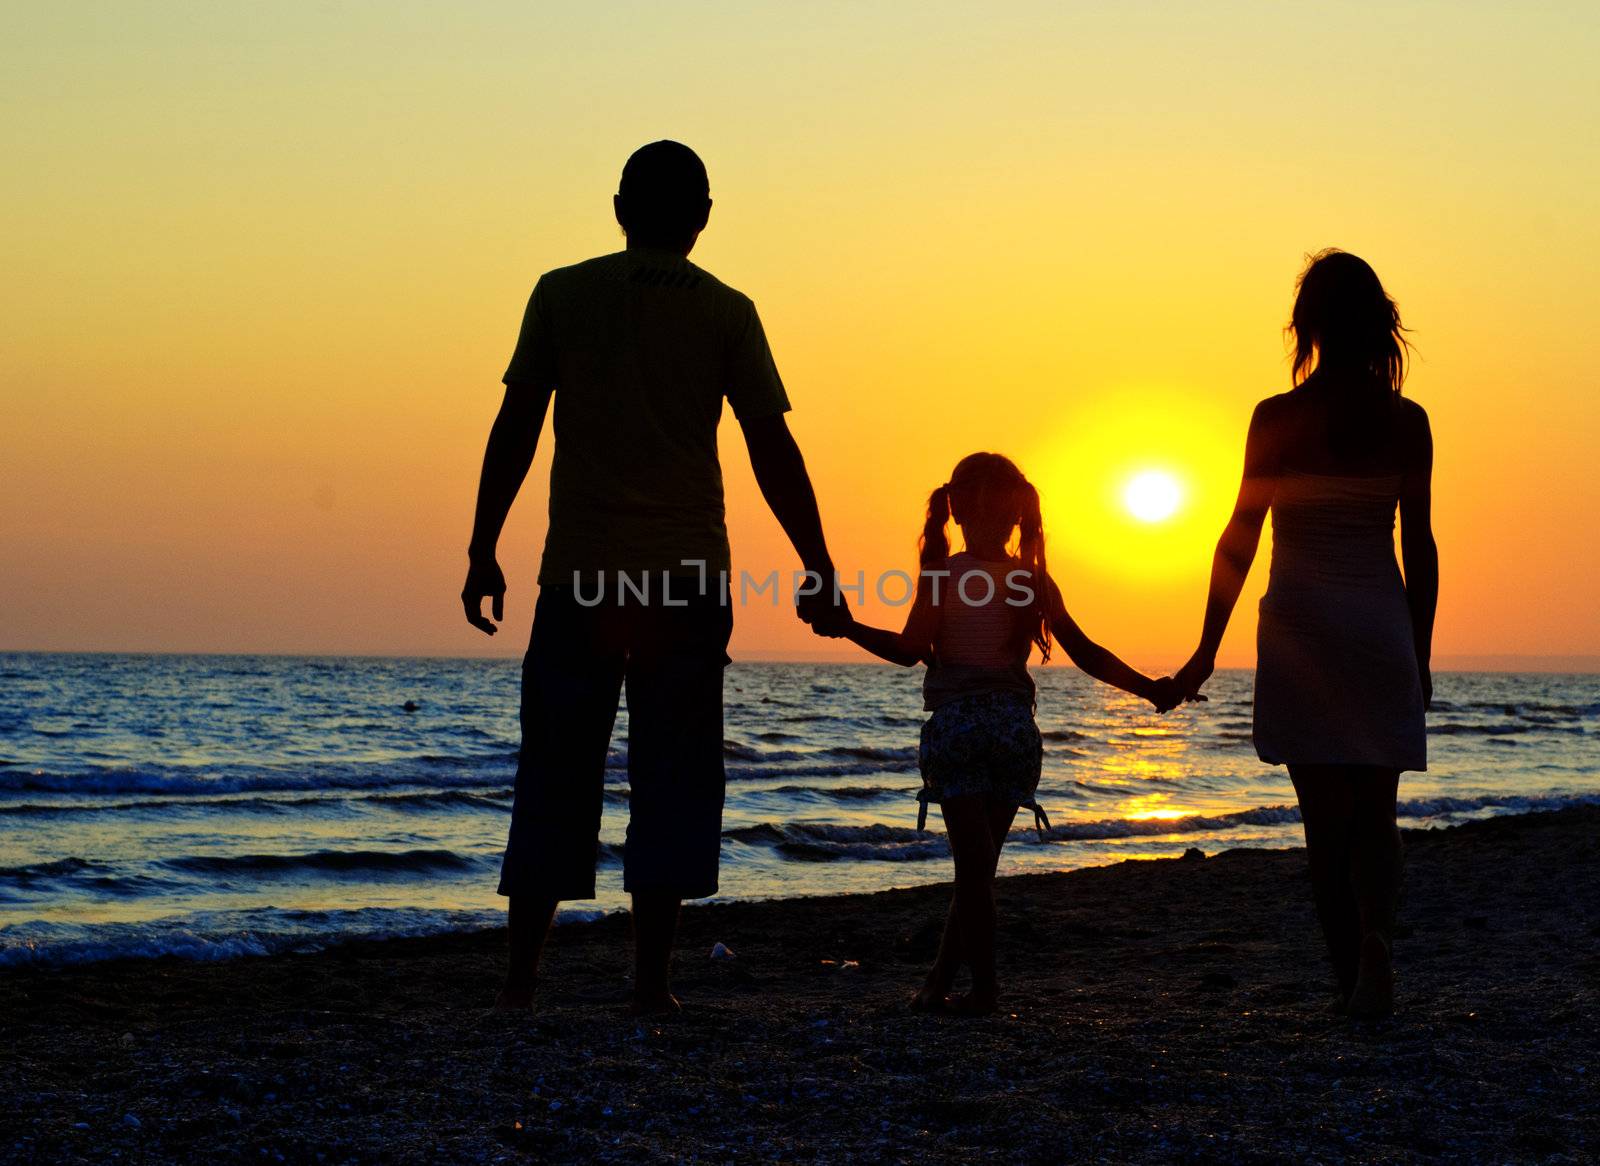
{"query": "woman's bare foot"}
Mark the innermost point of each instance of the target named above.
(1374, 992)
(660, 1003)
(516, 996)
(926, 999)
(972, 1004)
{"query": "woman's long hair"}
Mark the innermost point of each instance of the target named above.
(1345, 324)
(991, 483)
(1344, 319)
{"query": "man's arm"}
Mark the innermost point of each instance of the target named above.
(512, 441)
(781, 473)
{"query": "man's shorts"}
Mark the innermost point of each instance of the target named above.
(671, 659)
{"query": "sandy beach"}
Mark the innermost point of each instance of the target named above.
(1170, 1010)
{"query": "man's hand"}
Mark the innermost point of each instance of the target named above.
(823, 609)
(834, 624)
(484, 579)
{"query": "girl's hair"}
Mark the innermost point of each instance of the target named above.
(1343, 318)
(994, 484)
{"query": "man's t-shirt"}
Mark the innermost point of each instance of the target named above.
(640, 347)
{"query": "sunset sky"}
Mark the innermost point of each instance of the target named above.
(264, 266)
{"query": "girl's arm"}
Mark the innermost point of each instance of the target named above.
(1097, 661)
(1418, 552)
(911, 645)
(1236, 549)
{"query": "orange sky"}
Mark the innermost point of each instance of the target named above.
(265, 266)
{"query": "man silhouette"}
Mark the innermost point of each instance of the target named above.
(638, 348)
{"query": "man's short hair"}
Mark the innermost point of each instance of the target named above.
(664, 190)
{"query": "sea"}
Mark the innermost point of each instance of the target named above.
(209, 807)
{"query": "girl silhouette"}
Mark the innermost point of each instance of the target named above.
(975, 619)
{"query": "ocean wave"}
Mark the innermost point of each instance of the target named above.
(443, 799)
(324, 861)
(849, 793)
(33, 872)
(816, 842)
(493, 799)
(1440, 807)
(1420, 808)
(175, 782)
(1112, 828)
(735, 751)
(822, 769)
(223, 935)
(1529, 709)
(1499, 728)
(1063, 735)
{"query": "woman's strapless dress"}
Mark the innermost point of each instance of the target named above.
(1336, 667)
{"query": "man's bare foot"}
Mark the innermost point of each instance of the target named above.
(662, 1003)
(972, 1004)
(516, 996)
(1374, 992)
(926, 999)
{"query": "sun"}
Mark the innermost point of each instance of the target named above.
(1152, 495)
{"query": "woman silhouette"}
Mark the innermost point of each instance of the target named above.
(1343, 642)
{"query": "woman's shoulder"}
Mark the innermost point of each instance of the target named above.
(1413, 413)
(1416, 433)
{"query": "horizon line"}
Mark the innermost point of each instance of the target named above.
(1580, 663)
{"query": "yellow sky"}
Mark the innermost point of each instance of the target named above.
(264, 265)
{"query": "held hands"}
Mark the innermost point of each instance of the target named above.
(1192, 675)
(824, 610)
(484, 581)
(1169, 692)
(835, 625)
(1164, 694)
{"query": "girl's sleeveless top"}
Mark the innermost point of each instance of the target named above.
(981, 645)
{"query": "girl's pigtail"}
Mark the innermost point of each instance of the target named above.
(1031, 548)
(934, 546)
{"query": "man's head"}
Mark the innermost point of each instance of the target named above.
(664, 197)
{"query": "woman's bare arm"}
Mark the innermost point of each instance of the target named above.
(1419, 554)
(1236, 549)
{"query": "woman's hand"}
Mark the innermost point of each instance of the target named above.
(1193, 674)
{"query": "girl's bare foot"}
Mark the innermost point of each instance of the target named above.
(926, 999)
(1374, 992)
(972, 1004)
